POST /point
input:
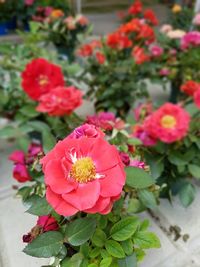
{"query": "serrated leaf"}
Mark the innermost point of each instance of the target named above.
(46, 245)
(39, 206)
(138, 178)
(146, 240)
(80, 231)
(114, 249)
(124, 229)
(129, 261)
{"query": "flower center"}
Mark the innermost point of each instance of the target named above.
(83, 170)
(43, 80)
(168, 121)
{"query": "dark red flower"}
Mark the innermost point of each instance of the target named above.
(47, 223)
(139, 55)
(125, 158)
(135, 8)
(151, 17)
(190, 87)
(40, 76)
(119, 41)
(100, 57)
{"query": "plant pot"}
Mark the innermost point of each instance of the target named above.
(7, 26)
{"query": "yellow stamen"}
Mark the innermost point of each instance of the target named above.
(43, 80)
(168, 121)
(83, 170)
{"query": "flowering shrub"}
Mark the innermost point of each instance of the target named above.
(86, 206)
(119, 59)
(65, 31)
(170, 139)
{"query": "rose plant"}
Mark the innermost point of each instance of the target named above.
(118, 61)
(170, 137)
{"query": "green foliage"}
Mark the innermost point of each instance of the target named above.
(138, 178)
(38, 206)
(80, 231)
(45, 246)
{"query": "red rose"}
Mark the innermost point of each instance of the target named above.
(48, 223)
(40, 76)
(60, 101)
(135, 8)
(87, 130)
(151, 17)
(84, 174)
(119, 41)
(20, 173)
(100, 57)
(190, 87)
(139, 55)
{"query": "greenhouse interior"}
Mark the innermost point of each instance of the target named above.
(98, 96)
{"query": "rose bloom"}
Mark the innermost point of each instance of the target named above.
(60, 101)
(197, 98)
(70, 23)
(176, 8)
(166, 28)
(85, 50)
(40, 76)
(169, 123)
(139, 55)
(44, 224)
(100, 57)
(57, 13)
(87, 130)
(140, 133)
(142, 110)
(82, 20)
(146, 32)
(135, 8)
(20, 172)
(190, 87)
(196, 20)
(175, 34)
(29, 2)
(136, 163)
(84, 174)
(190, 39)
(156, 50)
(151, 17)
(106, 120)
(164, 72)
(130, 27)
(125, 158)
(118, 41)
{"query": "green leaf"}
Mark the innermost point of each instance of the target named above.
(94, 252)
(147, 198)
(99, 238)
(80, 231)
(138, 178)
(127, 246)
(129, 261)
(187, 194)
(177, 158)
(194, 170)
(39, 206)
(9, 132)
(114, 249)
(106, 262)
(124, 229)
(146, 240)
(46, 245)
(134, 206)
(134, 141)
(29, 111)
(75, 260)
